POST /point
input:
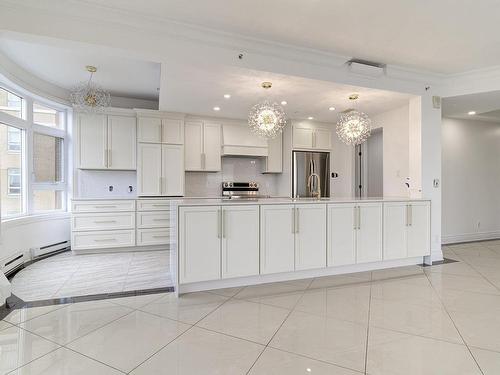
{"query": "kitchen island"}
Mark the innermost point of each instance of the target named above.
(221, 243)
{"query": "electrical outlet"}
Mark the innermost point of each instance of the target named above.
(478, 224)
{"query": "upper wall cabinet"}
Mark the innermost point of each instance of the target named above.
(202, 146)
(160, 130)
(273, 163)
(106, 141)
(311, 137)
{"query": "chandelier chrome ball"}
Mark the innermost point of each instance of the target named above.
(267, 119)
(88, 96)
(354, 127)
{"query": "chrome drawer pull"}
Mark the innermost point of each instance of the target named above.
(161, 219)
(104, 206)
(104, 221)
(161, 205)
(105, 240)
(161, 236)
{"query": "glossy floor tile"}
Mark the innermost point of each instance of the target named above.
(438, 320)
(70, 275)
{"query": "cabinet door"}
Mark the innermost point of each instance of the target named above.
(310, 236)
(395, 230)
(149, 169)
(212, 147)
(419, 229)
(199, 244)
(240, 241)
(277, 252)
(193, 147)
(122, 142)
(369, 233)
(172, 170)
(149, 129)
(322, 139)
(302, 137)
(92, 141)
(341, 235)
(173, 131)
(274, 160)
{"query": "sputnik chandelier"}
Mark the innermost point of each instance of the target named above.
(354, 127)
(267, 119)
(88, 96)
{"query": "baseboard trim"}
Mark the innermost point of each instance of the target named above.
(470, 237)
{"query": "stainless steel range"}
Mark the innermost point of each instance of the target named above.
(241, 190)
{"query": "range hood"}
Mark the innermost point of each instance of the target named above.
(238, 140)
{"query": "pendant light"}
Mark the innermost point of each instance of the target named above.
(267, 119)
(87, 96)
(354, 127)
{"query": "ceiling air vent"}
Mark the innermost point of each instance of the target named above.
(366, 68)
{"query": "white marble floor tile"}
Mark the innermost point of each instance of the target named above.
(391, 273)
(479, 329)
(18, 347)
(445, 282)
(65, 362)
(433, 322)
(188, 308)
(286, 301)
(459, 268)
(247, 320)
(348, 303)
(278, 362)
(421, 294)
(337, 281)
(130, 340)
(272, 289)
(488, 361)
(331, 340)
(199, 351)
(136, 302)
(458, 300)
(394, 353)
(74, 321)
(226, 292)
(24, 314)
(4, 324)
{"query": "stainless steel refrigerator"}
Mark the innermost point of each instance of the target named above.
(311, 174)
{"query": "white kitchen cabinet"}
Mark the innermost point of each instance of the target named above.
(277, 238)
(160, 170)
(172, 161)
(106, 142)
(369, 233)
(311, 137)
(149, 169)
(121, 142)
(273, 162)
(419, 229)
(92, 141)
(199, 243)
(310, 236)
(341, 237)
(202, 146)
(160, 130)
(240, 241)
(406, 229)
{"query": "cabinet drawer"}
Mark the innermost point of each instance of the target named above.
(153, 236)
(153, 205)
(103, 221)
(155, 219)
(102, 239)
(102, 206)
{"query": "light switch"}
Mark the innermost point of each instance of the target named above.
(436, 183)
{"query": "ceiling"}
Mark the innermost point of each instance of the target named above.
(486, 105)
(446, 36)
(65, 67)
(196, 89)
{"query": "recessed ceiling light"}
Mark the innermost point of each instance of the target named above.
(331, 109)
(284, 102)
(310, 118)
(216, 108)
(471, 113)
(227, 96)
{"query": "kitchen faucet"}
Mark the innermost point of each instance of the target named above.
(314, 192)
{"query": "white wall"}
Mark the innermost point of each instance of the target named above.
(395, 149)
(471, 180)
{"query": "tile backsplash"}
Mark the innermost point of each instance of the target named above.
(203, 184)
(95, 184)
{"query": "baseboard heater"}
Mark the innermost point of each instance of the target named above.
(46, 251)
(11, 264)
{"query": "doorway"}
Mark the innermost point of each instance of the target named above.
(369, 166)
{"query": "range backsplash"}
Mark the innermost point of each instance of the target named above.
(203, 184)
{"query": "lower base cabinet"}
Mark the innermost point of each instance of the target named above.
(310, 236)
(369, 233)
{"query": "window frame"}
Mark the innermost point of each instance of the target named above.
(9, 177)
(29, 128)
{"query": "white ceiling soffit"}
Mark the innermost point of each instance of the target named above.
(197, 89)
(486, 105)
(439, 36)
(64, 66)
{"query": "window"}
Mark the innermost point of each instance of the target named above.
(46, 116)
(11, 103)
(14, 181)
(13, 139)
(32, 155)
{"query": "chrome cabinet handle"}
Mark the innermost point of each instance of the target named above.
(109, 158)
(407, 221)
(104, 221)
(293, 219)
(161, 236)
(160, 219)
(219, 224)
(410, 215)
(104, 206)
(358, 219)
(354, 218)
(223, 223)
(297, 222)
(104, 240)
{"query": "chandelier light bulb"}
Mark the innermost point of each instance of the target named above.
(88, 96)
(354, 127)
(267, 119)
